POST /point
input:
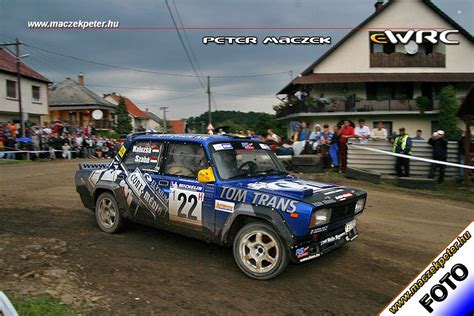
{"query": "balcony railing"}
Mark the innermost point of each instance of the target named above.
(341, 105)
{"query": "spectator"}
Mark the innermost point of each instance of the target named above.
(440, 152)
(379, 133)
(272, 136)
(402, 145)
(304, 132)
(66, 151)
(345, 132)
(461, 158)
(419, 135)
(324, 143)
(315, 136)
(362, 132)
(299, 95)
(334, 148)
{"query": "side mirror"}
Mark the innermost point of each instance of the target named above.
(206, 175)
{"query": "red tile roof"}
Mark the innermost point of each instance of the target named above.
(131, 107)
(8, 63)
(176, 126)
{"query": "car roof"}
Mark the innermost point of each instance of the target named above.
(198, 138)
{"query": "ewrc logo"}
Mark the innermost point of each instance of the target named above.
(418, 37)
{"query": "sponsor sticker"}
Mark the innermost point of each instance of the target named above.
(264, 146)
(222, 146)
(122, 151)
(302, 252)
(248, 146)
(224, 206)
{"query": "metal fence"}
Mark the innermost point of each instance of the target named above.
(385, 164)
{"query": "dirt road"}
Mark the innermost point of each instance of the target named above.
(50, 243)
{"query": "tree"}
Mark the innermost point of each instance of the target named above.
(124, 122)
(448, 107)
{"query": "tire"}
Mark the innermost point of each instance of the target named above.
(107, 214)
(259, 251)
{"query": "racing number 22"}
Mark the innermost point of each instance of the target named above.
(187, 199)
(186, 205)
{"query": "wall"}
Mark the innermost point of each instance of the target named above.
(34, 109)
(385, 164)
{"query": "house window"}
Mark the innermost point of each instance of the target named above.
(35, 91)
(11, 89)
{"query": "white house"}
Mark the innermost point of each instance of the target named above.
(359, 77)
(34, 92)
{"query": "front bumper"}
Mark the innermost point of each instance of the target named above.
(324, 242)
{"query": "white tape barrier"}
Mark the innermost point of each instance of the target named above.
(412, 157)
(32, 151)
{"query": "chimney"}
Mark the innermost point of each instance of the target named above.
(81, 79)
(378, 5)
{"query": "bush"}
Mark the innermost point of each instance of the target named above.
(423, 103)
(448, 107)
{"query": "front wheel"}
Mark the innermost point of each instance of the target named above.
(259, 252)
(107, 214)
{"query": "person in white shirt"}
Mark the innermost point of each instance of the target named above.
(67, 151)
(272, 136)
(379, 133)
(362, 132)
(299, 95)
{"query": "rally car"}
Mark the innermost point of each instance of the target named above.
(224, 189)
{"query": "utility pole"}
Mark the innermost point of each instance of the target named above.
(18, 76)
(209, 98)
(291, 75)
(165, 124)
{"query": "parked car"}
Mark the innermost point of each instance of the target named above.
(223, 189)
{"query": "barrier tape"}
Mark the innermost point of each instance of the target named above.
(451, 164)
(33, 151)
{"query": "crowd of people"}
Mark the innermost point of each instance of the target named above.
(64, 141)
(55, 141)
(331, 144)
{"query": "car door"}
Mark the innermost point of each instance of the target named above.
(141, 166)
(191, 203)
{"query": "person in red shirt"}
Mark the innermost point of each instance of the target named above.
(345, 132)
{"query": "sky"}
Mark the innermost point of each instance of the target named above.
(161, 51)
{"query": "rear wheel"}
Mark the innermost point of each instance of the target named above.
(107, 214)
(259, 252)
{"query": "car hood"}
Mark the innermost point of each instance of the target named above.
(308, 191)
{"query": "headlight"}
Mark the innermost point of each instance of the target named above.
(320, 217)
(359, 205)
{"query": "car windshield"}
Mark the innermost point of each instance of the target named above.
(241, 160)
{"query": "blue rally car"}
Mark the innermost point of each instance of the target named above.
(224, 189)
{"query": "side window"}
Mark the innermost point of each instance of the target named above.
(185, 160)
(144, 155)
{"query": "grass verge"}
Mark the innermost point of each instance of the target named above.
(41, 305)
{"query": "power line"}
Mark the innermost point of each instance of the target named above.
(109, 65)
(139, 88)
(152, 71)
(184, 46)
